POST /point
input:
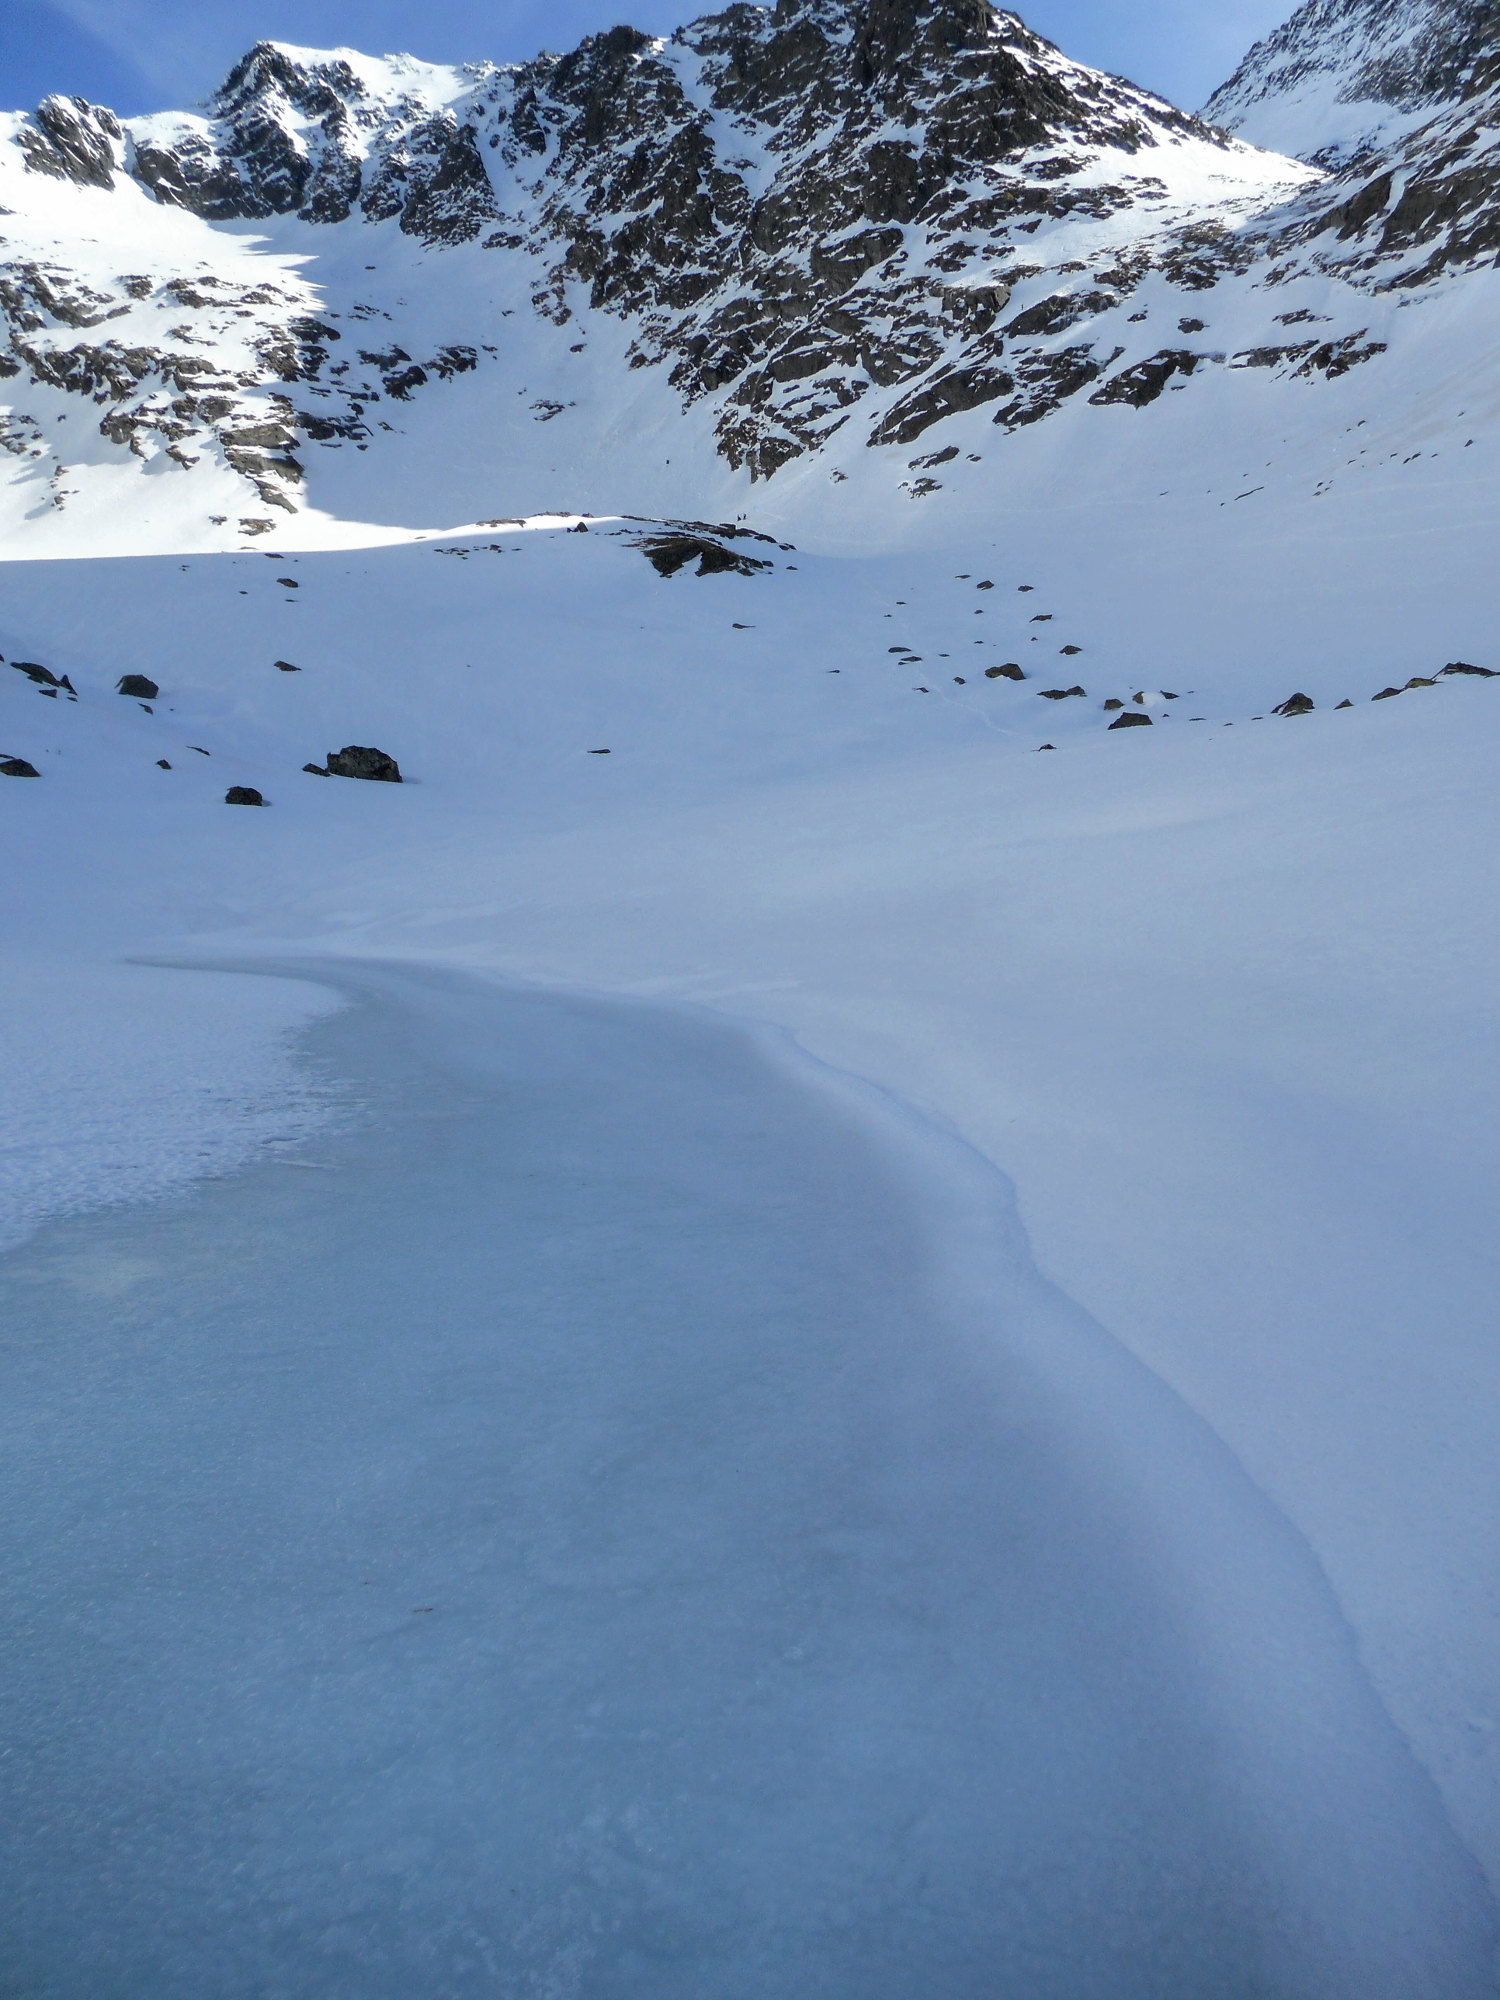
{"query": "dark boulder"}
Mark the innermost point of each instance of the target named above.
(286, 667)
(1345, 703)
(317, 770)
(1295, 704)
(359, 760)
(1131, 719)
(1113, 703)
(17, 767)
(137, 685)
(1419, 681)
(1385, 694)
(43, 676)
(1070, 650)
(669, 553)
(1009, 670)
(162, 764)
(243, 795)
(1463, 667)
(1058, 694)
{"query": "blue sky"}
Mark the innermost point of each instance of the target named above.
(141, 55)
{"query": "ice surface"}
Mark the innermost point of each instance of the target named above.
(578, 1534)
(124, 1080)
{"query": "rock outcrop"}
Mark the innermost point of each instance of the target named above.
(359, 760)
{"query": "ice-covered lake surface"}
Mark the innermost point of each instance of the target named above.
(583, 1530)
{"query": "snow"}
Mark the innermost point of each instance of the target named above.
(1341, 77)
(122, 1081)
(1215, 997)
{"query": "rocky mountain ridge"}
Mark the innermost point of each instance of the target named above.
(827, 220)
(1341, 75)
(1402, 104)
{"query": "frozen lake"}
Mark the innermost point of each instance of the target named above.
(563, 1536)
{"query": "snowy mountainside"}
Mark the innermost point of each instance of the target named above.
(781, 251)
(1402, 104)
(867, 235)
(856, 238)
(1343, 76)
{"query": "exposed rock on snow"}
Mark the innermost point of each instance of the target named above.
(1132, 718)
(243, 795)
(44, 677)
(17, 767)
(668, 553)
(358, 760)
(139, 685)
(1297, 704)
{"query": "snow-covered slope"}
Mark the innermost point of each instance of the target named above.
(1402, 104)
(1023, 405)
(1343, 77)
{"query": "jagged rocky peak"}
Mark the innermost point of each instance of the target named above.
(807, 203)
(323, 133)
(1002, 86)
(1343, 77)
(317, 133)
